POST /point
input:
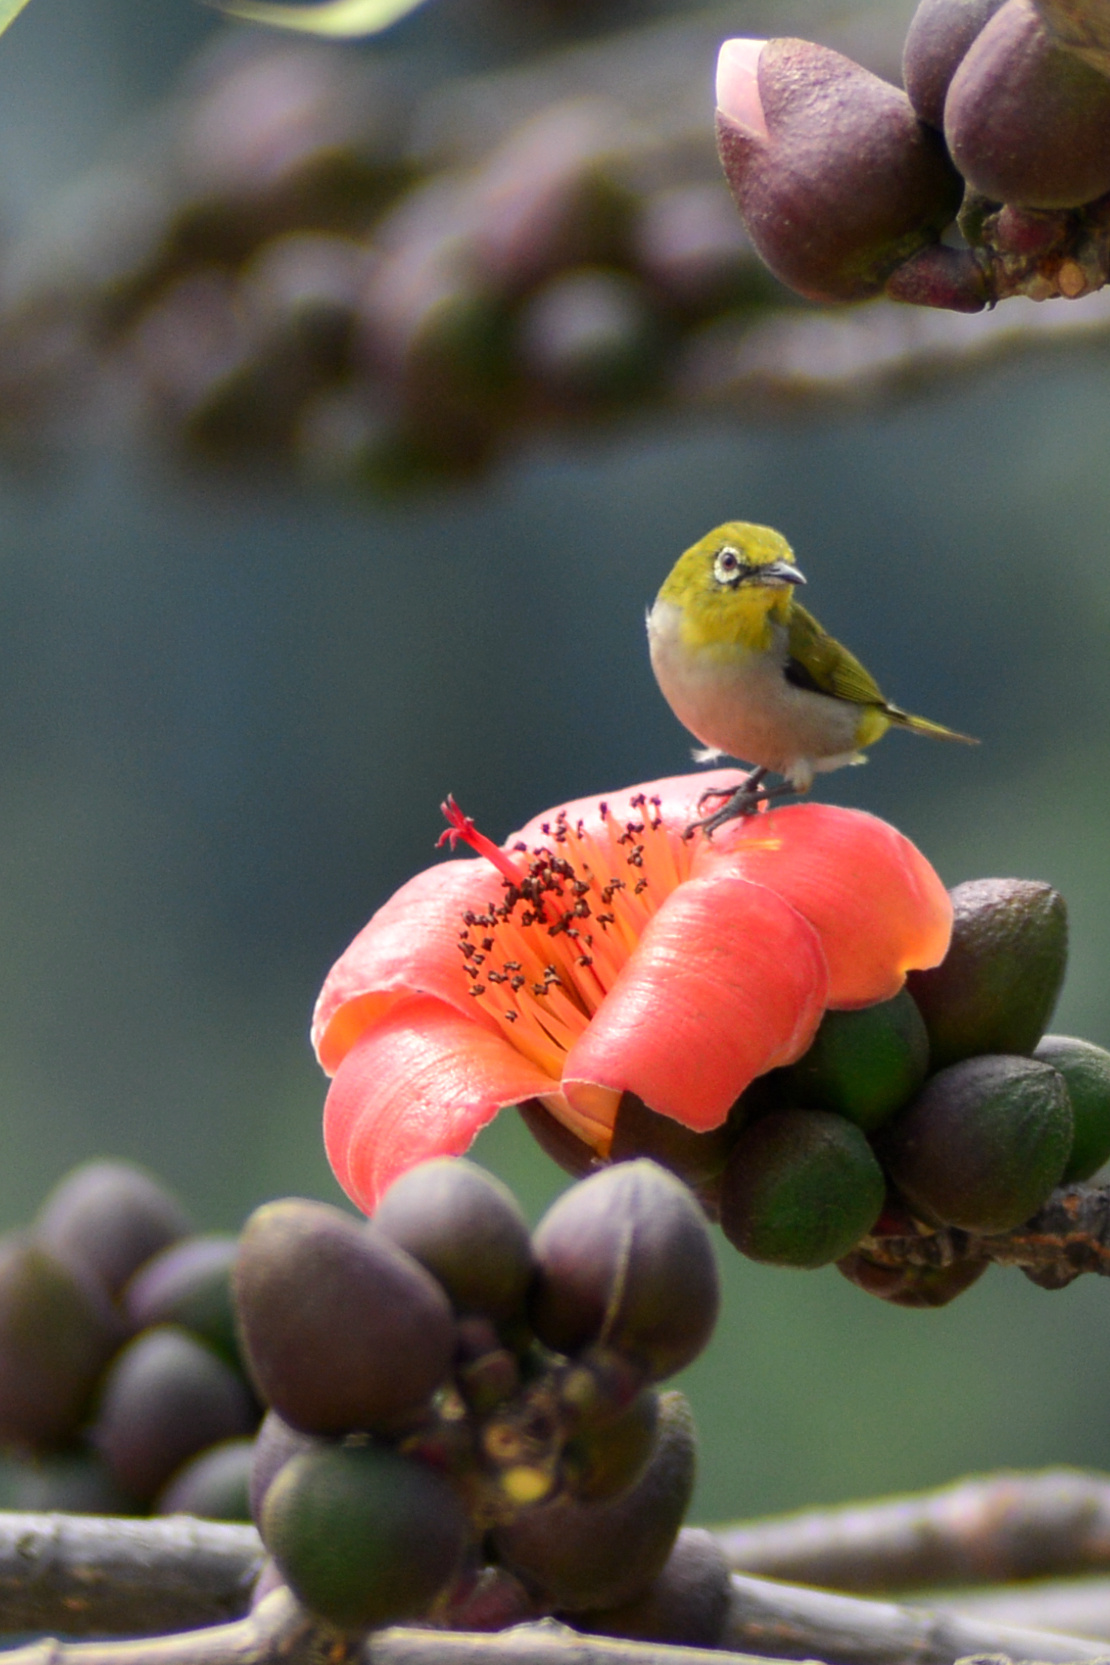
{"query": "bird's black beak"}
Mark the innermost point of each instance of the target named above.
(780, 572)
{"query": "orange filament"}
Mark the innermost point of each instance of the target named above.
(542, 959)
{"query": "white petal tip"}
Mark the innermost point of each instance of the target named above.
(738, 84)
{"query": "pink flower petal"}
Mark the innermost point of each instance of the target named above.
(410, 946)
(877, 905)
(727, 981)
(422, 1082)
(678, 805)
(738, 84)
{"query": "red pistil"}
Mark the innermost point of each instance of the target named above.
(460, 826)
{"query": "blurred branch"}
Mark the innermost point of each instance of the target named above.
(95, 1575)
(1078, 1605)
(1007, 1526)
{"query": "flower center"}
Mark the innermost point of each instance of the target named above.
(542, 958)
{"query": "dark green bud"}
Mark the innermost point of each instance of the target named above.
(625, 1259)
(801, 1187)
(362, 1536)
(995, 989)
(1028, 122)
(686, 1605)
(57, 1333)
(983, 1144)
(836, 178)
(341, 1329)
(578, 1555)
(188, 1284)
(864, 1064)
(166, 1397)
(911, 1286)
(938, 37)
(467, 1229)
(1086, 1072)
(107, 1218)
(214, 1485)
(603, 1459)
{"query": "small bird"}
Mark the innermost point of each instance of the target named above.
(749, 672)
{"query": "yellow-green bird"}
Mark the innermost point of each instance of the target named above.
(754, 676)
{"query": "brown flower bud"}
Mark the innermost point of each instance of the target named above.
(836, 178)
(939, 35)
(1026, 121)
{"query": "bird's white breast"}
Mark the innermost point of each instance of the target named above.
(740, 703)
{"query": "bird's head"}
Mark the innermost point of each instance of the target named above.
(729, 583)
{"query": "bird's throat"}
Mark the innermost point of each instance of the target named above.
(743, 618)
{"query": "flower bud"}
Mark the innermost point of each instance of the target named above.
(801, 1187)
(214, 1485)
(1086, 1072)
(590, 334)
(107, 1218)
(995, 989)
(602, 1459)
(467, 1229)
(625, 1258)
(983, 1144)
(188, 1284)
(1028, 122)
(362, 1535)
(274, 1444)
(686, 1605)
(836, 178)
(864, 1064)
(598, 1554)
(911, 1286)
(695, 1157)
(342, 1330)
(166, 1397)
(938, 37)
(56, 1336)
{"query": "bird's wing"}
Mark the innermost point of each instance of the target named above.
(817, 662)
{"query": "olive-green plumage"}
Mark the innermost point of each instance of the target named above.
(751, 673)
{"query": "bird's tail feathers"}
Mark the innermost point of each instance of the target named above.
(922, 725)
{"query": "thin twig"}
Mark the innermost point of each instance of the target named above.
(1081, 1606)
(789, 1622)
(988, 1530)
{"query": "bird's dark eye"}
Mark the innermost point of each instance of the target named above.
(727, 565)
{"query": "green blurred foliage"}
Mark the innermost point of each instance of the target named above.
(228, 712)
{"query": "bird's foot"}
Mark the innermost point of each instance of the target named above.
(749, 785)
(746, 799)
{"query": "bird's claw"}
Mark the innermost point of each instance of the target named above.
(741, 802)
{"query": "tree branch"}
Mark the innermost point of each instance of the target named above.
(92, 1576)
(1068, 1236)
(1008, 1526)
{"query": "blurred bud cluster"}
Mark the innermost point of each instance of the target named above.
(309, 261)
(849, 186)
(946, 1106)
(464, 1422)
(121, 1386)
(347, 263)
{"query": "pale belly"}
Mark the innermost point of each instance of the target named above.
(745, 708)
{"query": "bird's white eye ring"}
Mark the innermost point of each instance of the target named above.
(726, 565)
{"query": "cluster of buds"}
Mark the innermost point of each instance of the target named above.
(290, 276)
(848, 184)
(947, 1105)
(121, 1386)
(464, 1425)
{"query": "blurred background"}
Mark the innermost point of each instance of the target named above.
(232, 698)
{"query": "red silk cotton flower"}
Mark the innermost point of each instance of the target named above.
(601, 952)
